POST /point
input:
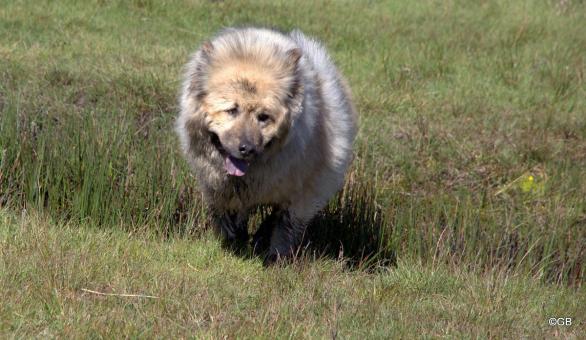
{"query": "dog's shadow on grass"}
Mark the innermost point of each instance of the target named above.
(351, 229)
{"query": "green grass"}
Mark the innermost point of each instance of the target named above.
(206, 292)
(470, 159)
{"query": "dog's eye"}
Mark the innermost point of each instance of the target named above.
(233, 111)
(262, 117)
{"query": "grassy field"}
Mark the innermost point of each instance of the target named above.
(464, 212)
(195, 288)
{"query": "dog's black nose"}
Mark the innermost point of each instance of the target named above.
(246, 149)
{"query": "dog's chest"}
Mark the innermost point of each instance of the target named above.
(242, 193)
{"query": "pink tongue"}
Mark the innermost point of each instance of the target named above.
(235, 166)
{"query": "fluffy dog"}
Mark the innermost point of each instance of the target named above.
(266, 119)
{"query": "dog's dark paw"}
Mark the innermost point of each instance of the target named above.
(276, 259)
(271, 259)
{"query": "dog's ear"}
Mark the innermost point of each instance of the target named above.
(292, 61)
(198, 70)
(207, 49)
(293, 56)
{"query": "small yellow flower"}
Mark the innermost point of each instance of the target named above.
(528, 184)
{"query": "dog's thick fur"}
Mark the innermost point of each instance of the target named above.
(266, 119)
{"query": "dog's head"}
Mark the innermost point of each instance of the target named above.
(246, 98)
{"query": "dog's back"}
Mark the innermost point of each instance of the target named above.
(342, 119)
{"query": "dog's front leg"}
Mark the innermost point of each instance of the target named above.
(261, 240)
(286, 237)
(232, 227)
